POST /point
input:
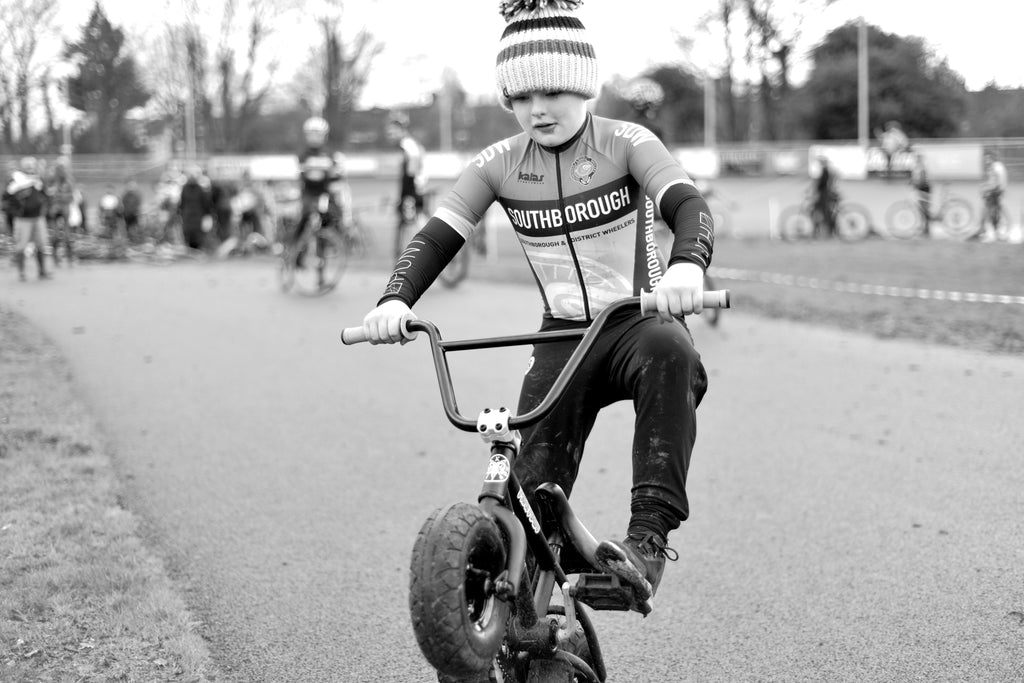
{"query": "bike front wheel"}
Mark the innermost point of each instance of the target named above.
(795, 224)
(315, 264)
(903, 220)
(458, 619)
(853, 223)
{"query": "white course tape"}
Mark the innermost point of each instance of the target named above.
(855, 288)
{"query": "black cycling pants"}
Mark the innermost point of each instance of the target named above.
(638, 358)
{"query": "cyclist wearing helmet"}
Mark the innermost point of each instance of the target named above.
(411, 181)
(579, 191)
(321, 171)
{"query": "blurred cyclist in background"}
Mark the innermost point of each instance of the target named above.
(321, 171)
(411, 181)
(826, 199)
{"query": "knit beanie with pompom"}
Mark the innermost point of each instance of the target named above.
(544, 48)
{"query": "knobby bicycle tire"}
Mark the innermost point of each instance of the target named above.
(458, 622)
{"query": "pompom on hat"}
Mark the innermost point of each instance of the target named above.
(544, 48)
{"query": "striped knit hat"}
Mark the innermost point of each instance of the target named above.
(544, 48)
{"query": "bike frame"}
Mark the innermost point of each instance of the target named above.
(503, 498)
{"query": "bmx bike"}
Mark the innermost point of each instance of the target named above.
(313, 263)
(807, 220)
(490, 595)
(905, 218)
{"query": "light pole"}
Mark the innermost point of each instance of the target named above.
(862, 84)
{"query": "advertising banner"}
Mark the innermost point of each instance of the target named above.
(848, 162)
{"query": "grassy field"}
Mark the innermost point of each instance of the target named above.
(82, 596)
(818, 274)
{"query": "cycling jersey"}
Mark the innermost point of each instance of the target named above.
(583, 213)
(318, 169)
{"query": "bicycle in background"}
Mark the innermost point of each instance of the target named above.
(808, 221)
(314, 261)
(490, 595)
(905, 219)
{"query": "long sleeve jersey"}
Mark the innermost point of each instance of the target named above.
(584, 214)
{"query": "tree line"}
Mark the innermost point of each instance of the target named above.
(208, 81)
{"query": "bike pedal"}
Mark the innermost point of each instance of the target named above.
(603, 592)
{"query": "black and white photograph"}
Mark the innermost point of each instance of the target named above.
(511, 341)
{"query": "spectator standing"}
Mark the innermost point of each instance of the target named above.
(221, 194)
(412, 179)
(6, 205)
(923, 187)
(993, 218)
(131, 209)
(168, 193)
(62, 195)
(28, 204)
(110, 214)
(893, 141)
(194, 209)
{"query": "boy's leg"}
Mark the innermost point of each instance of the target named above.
(552, 449)
(658, 366)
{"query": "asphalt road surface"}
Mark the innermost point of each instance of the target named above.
(857, 503)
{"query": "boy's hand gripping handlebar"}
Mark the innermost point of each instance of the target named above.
(718, 298)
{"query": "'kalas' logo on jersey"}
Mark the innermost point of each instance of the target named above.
(525, 177)
(583, 170)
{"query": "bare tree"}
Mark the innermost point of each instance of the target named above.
(345, 68)
(24, 24)
(335, 73)
(723, 17)
(773, 30)
(245, 79)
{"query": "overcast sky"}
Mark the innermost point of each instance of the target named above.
(980, 38)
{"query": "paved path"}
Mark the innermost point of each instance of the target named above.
(856, 502)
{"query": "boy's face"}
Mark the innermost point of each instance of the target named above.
(550, 118)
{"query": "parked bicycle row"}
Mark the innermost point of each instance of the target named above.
(925, 210)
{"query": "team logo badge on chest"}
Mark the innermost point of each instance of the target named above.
(583, 170)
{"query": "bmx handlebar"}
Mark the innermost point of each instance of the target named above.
(587, 337)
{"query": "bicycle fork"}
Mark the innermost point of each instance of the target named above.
(531, 633)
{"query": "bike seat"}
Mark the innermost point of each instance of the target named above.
(555, 504)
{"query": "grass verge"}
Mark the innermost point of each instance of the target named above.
(81, 597)
(932, 265)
